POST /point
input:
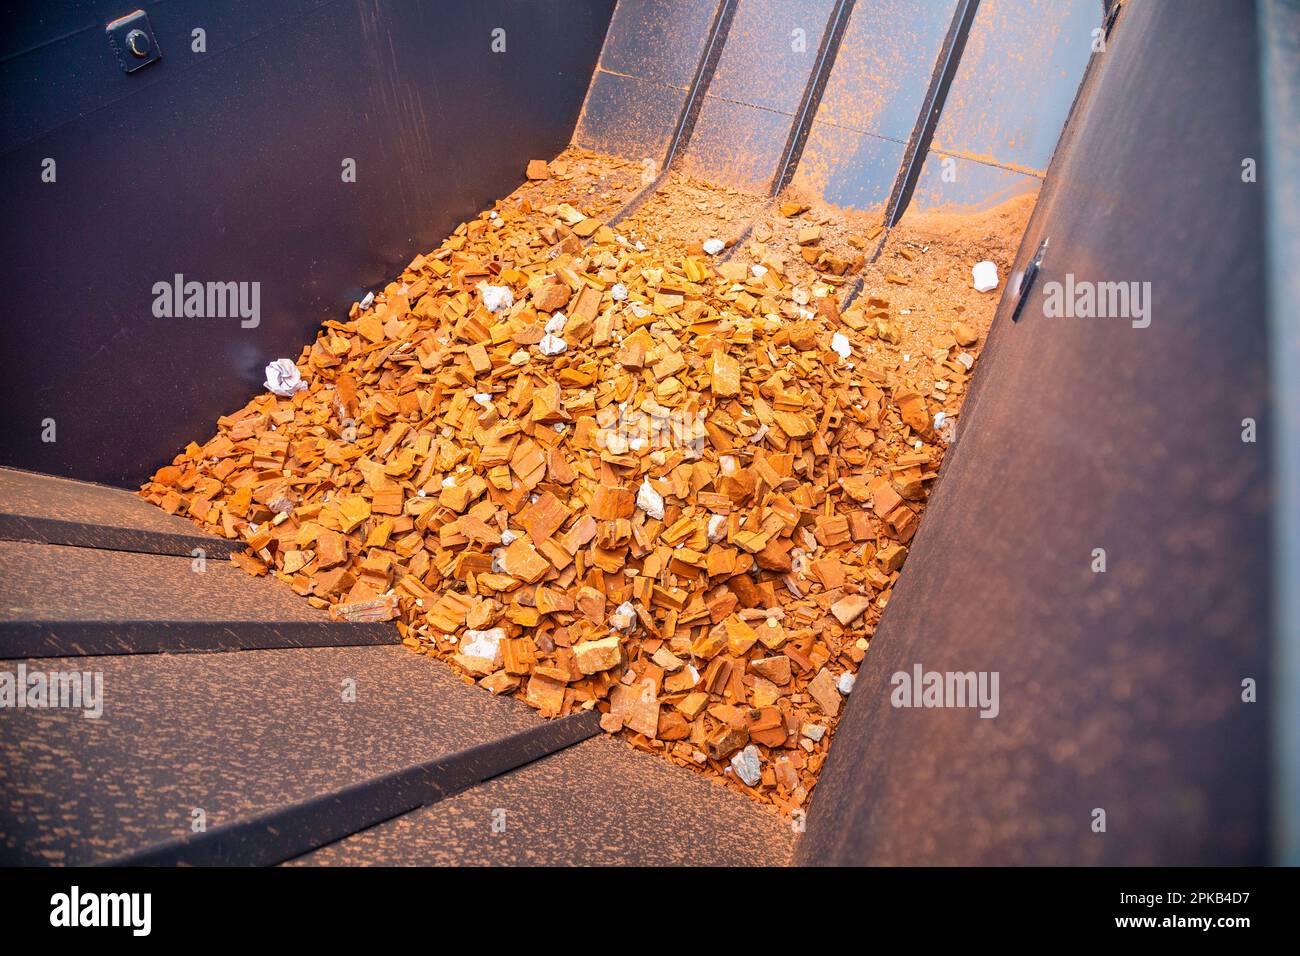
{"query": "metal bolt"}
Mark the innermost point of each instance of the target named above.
(137, 42)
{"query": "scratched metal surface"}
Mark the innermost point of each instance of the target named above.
(1019, 73)
(751, 102)
(60, 511)
(640, 84)
(234, 734)
(598, 803)
(1119, 691)
(227, 166)
(1017, 77)
(875, 91)
(57, 600)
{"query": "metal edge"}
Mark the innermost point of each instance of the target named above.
(279, 835)
(927, 120)
(690, 112)
(827, 51)
(704, 71)
(1278, 31)
(102, 537)
(37, 639)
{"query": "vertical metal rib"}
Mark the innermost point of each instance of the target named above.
(812, 95)
(918, 146)
(704, 71)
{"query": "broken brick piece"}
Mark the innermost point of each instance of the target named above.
(522, 561)
(849, 609)
(596, 656)
(825, 693)
(638, 708)
(380, 609)
(727, 741)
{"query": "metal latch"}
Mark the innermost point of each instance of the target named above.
(133, 41)
(1027, 281)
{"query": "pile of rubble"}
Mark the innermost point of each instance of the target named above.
(677, 489)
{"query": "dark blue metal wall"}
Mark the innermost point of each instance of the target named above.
(226, 165)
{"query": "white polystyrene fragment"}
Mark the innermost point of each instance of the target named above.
(496, 297)
(552, 345)
(482, 643)
(985, 276)
(747, 766)
(840, 345)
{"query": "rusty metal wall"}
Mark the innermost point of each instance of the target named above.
(226, 165)
(1125, 730)
(751, 103)
(640, 86)
(1018, 75)
(876, 89)
(1017, 70)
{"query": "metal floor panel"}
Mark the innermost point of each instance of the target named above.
(230, 735)
(596, 803)
(59, 600)
(52, 510)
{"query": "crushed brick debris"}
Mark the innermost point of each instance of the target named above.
(690, 518)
